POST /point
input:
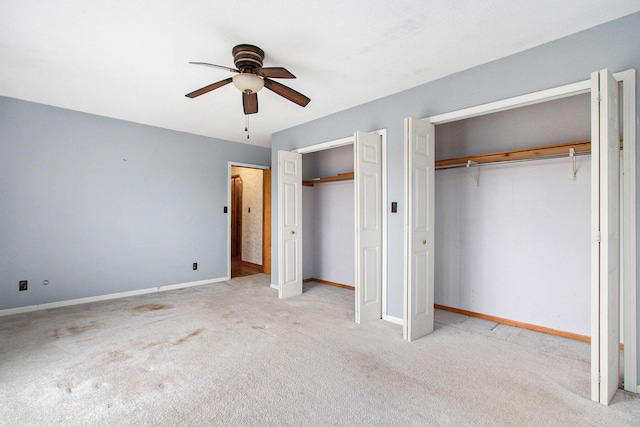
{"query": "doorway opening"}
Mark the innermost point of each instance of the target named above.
(512, 238)
(627, 206)
(249, 247)
(328, 229)
(369, 159)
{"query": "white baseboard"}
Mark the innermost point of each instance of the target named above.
(58, 304)
(191, 284)
(274, 286)
(396, 320)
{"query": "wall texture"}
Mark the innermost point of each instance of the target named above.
(518, 245)
(555, 122)
(614, 45)
(328, 162)
(98, 206)
(333, 232)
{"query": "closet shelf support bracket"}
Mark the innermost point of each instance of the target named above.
(572, 156)
(476, 174)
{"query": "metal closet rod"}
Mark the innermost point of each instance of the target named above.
(470, 163)
(548, 151)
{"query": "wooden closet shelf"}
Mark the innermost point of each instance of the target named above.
(527, 153)
(340, 177)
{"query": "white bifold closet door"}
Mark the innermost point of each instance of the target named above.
(368, 178)
(605, 217)
(368, 217)
(289, 224)
(419, 228)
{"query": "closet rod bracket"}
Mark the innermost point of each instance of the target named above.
(572, 156)
(476, 167)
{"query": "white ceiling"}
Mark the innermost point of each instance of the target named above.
(129, 59)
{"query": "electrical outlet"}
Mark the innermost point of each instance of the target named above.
(195, 265)
(23, 285)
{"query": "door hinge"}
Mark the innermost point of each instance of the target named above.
(598, 237)
(599, 377)
(599, 97)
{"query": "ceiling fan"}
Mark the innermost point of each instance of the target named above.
(251, 76)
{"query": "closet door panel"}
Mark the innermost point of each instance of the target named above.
(368, 217)
(605, 214)
(419, 226)
(289, 224)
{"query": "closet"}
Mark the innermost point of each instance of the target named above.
(328, 217)
(513, 228)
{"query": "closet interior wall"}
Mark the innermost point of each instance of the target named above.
(328, 217)
(515, 243)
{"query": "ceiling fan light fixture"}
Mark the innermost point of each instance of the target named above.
(248, 82)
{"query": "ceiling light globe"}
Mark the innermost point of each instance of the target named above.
(248, 82)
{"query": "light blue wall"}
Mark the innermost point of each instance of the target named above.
(328, 162)
(614, 45)
(554, 122)
(98, 206)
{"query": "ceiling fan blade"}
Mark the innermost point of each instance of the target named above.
(250, 102)
(275, 73)
(286, 92)
(221, 67)
(209, 88)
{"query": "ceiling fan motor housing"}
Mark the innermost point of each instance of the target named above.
(247, 56)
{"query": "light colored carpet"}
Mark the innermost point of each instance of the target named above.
(232, 353)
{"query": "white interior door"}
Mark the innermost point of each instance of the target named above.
(419, 227)
(289, 224)
(368, 202)
(605, 214)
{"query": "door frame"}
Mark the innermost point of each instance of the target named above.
(238, 215)
(228, 206)
(350, 140)
(627, 195)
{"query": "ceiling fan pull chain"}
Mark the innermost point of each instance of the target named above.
(246, 124)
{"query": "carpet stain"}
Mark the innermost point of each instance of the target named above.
(75, 330)
(188, 337)
(151, 307)
(154, 344)
(117, 356)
